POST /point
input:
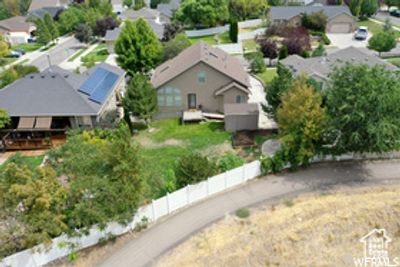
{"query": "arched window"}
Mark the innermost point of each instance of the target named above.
(169, 97)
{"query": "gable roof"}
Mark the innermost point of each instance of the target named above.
(200, 52)
(322, 66)
(16, 24)
(146, 13)
(37, 4)
(53, 92)
(288, 12)
(40, 12)
(169, 8)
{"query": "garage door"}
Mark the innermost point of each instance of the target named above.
(340, 28)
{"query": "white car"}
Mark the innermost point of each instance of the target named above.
(361, 33)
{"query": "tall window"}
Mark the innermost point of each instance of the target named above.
(201, 77)
(169, 97)
(240, 99)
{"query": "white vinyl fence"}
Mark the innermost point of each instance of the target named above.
(250, 23)
(181, 198)
(232, 49)
(207, 32)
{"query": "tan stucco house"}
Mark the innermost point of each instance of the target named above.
(16, 29)
(200, 78)
(340, 19)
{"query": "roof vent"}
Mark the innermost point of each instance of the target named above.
(31, 76)
(66, 76)
(214, 55)
(53, 76)
(42, 76)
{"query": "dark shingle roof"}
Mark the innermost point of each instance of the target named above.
(288, 12)
(322, 66)
(15, 24)
(54, 92)
(53, 11)
(168, 9)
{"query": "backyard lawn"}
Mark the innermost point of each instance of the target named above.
(168, 140)
(249, 45)
(267, 75)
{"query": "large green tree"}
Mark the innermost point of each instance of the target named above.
(382, 41)
(173, 47)
(245, 9)
(202, 13)
(137, 47)
(51, 26)
(141, 98)
(70, 19)
(362, 104)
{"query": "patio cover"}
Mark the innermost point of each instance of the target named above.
(26, 122)
(43, 122)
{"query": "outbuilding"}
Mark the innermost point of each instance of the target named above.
(241, 117)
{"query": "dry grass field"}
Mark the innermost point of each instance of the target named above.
(313, 230)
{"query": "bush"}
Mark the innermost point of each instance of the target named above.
(229, 161)
(242, 213)
(257, 64)
(283, 52)
(233, 31)
(273, 164)
(323, 36)
(194, 168)
(315, 21)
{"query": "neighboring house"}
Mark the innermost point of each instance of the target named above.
(54, 100)
(319, 68)
(152, 16)
(54, 7)
(167, 10)
(200, 78)
(340, 19)
(110, 38)
(300, 2)
(16, 29)
(53, 11)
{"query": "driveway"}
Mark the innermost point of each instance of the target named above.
(343, 40)
(162, 237)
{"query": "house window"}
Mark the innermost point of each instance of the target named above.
(201, 77)
(240, 99)
(169, 97)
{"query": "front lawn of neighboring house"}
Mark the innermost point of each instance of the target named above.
(77, 54)
(167, 140)
(99, 54)
(27, 47)
(267, 75)
(222, 38)
(31, 161)
(374, 27)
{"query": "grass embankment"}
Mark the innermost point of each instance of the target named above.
(309, 231)
(99, 54)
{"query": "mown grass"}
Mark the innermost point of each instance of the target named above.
(77, 54)
(99, 54)
(374, 27)
(31, 161)
(267, 75)
(27, 47)
(210, 39)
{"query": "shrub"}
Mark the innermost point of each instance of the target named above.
(242, 213)
(229, 161)
(288, 203)
(257, 64)
(324, 37)
(193, 168)
(315, 21)
(273, 164)
(283, 52)
(233, 31)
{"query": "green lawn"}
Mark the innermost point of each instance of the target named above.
(5, 61)
(77, 54)
(394, 60)
(207, 39)
(27, 47)
(170, 140)
(267, 75)
(99, 54)
(224, 38)
(374, 27)
(250, 45)
(31, 161)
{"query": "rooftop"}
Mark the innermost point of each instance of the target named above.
(288, 12)
(17, 23)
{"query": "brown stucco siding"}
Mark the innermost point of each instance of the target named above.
(187, 83)
(229, 97)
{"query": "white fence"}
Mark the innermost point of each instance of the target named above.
(250, 23)
(232, 49)
(40, 255)
(207, 32)
(251, 35)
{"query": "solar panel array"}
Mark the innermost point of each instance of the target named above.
(99, 84)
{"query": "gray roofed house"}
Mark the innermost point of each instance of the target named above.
(110, 38)
(340, 19)
(53, 11)
(201, 77)
(38, 4)
(320, 67)
(16, 29)
(57, 96)
(150, 15)
(167, 10)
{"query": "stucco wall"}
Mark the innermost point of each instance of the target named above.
(188, 84)
(342, 18)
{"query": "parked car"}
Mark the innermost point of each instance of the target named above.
(395, 13)
(13, 54)
(20, 51)
(361, 33)
(31, 40)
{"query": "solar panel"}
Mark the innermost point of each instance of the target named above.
(93, 81)
(103, 89)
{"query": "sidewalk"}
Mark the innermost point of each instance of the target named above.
(72, 65)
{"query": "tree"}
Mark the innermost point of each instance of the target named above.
(70, 18)
(382, 42)
(369, 8)
(355, 7)
(362, 104)
(105, 24)
(256, 60)
(139, 4)
(388, 26)
(51, 26)
(234, 31)
(4, 118)
(315, 21)
(15, 72)
(4, 47)
(141, 98)
(319, 51)
(83, 33)
(173, 47)
(269, 49)
(203, 13)
(137, 47)
(283, 52)
(297, 40)
(247, 9)
(4, 13)
(279, 85)
(391, 3)
(92, 15)
(128, 3)
(276, 2)
(301, 120)
(171, 30)
(194, 168)
(43, 34)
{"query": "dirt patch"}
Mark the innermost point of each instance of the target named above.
(321, 230)
(218, 150)
(150, 144)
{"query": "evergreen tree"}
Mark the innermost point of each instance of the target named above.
(233, 31)
(43, 34)
(51, 26)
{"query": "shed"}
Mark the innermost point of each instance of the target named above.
(240, 117)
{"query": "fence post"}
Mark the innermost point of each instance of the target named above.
(168, 205)
(187, 194)
(153, 210)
